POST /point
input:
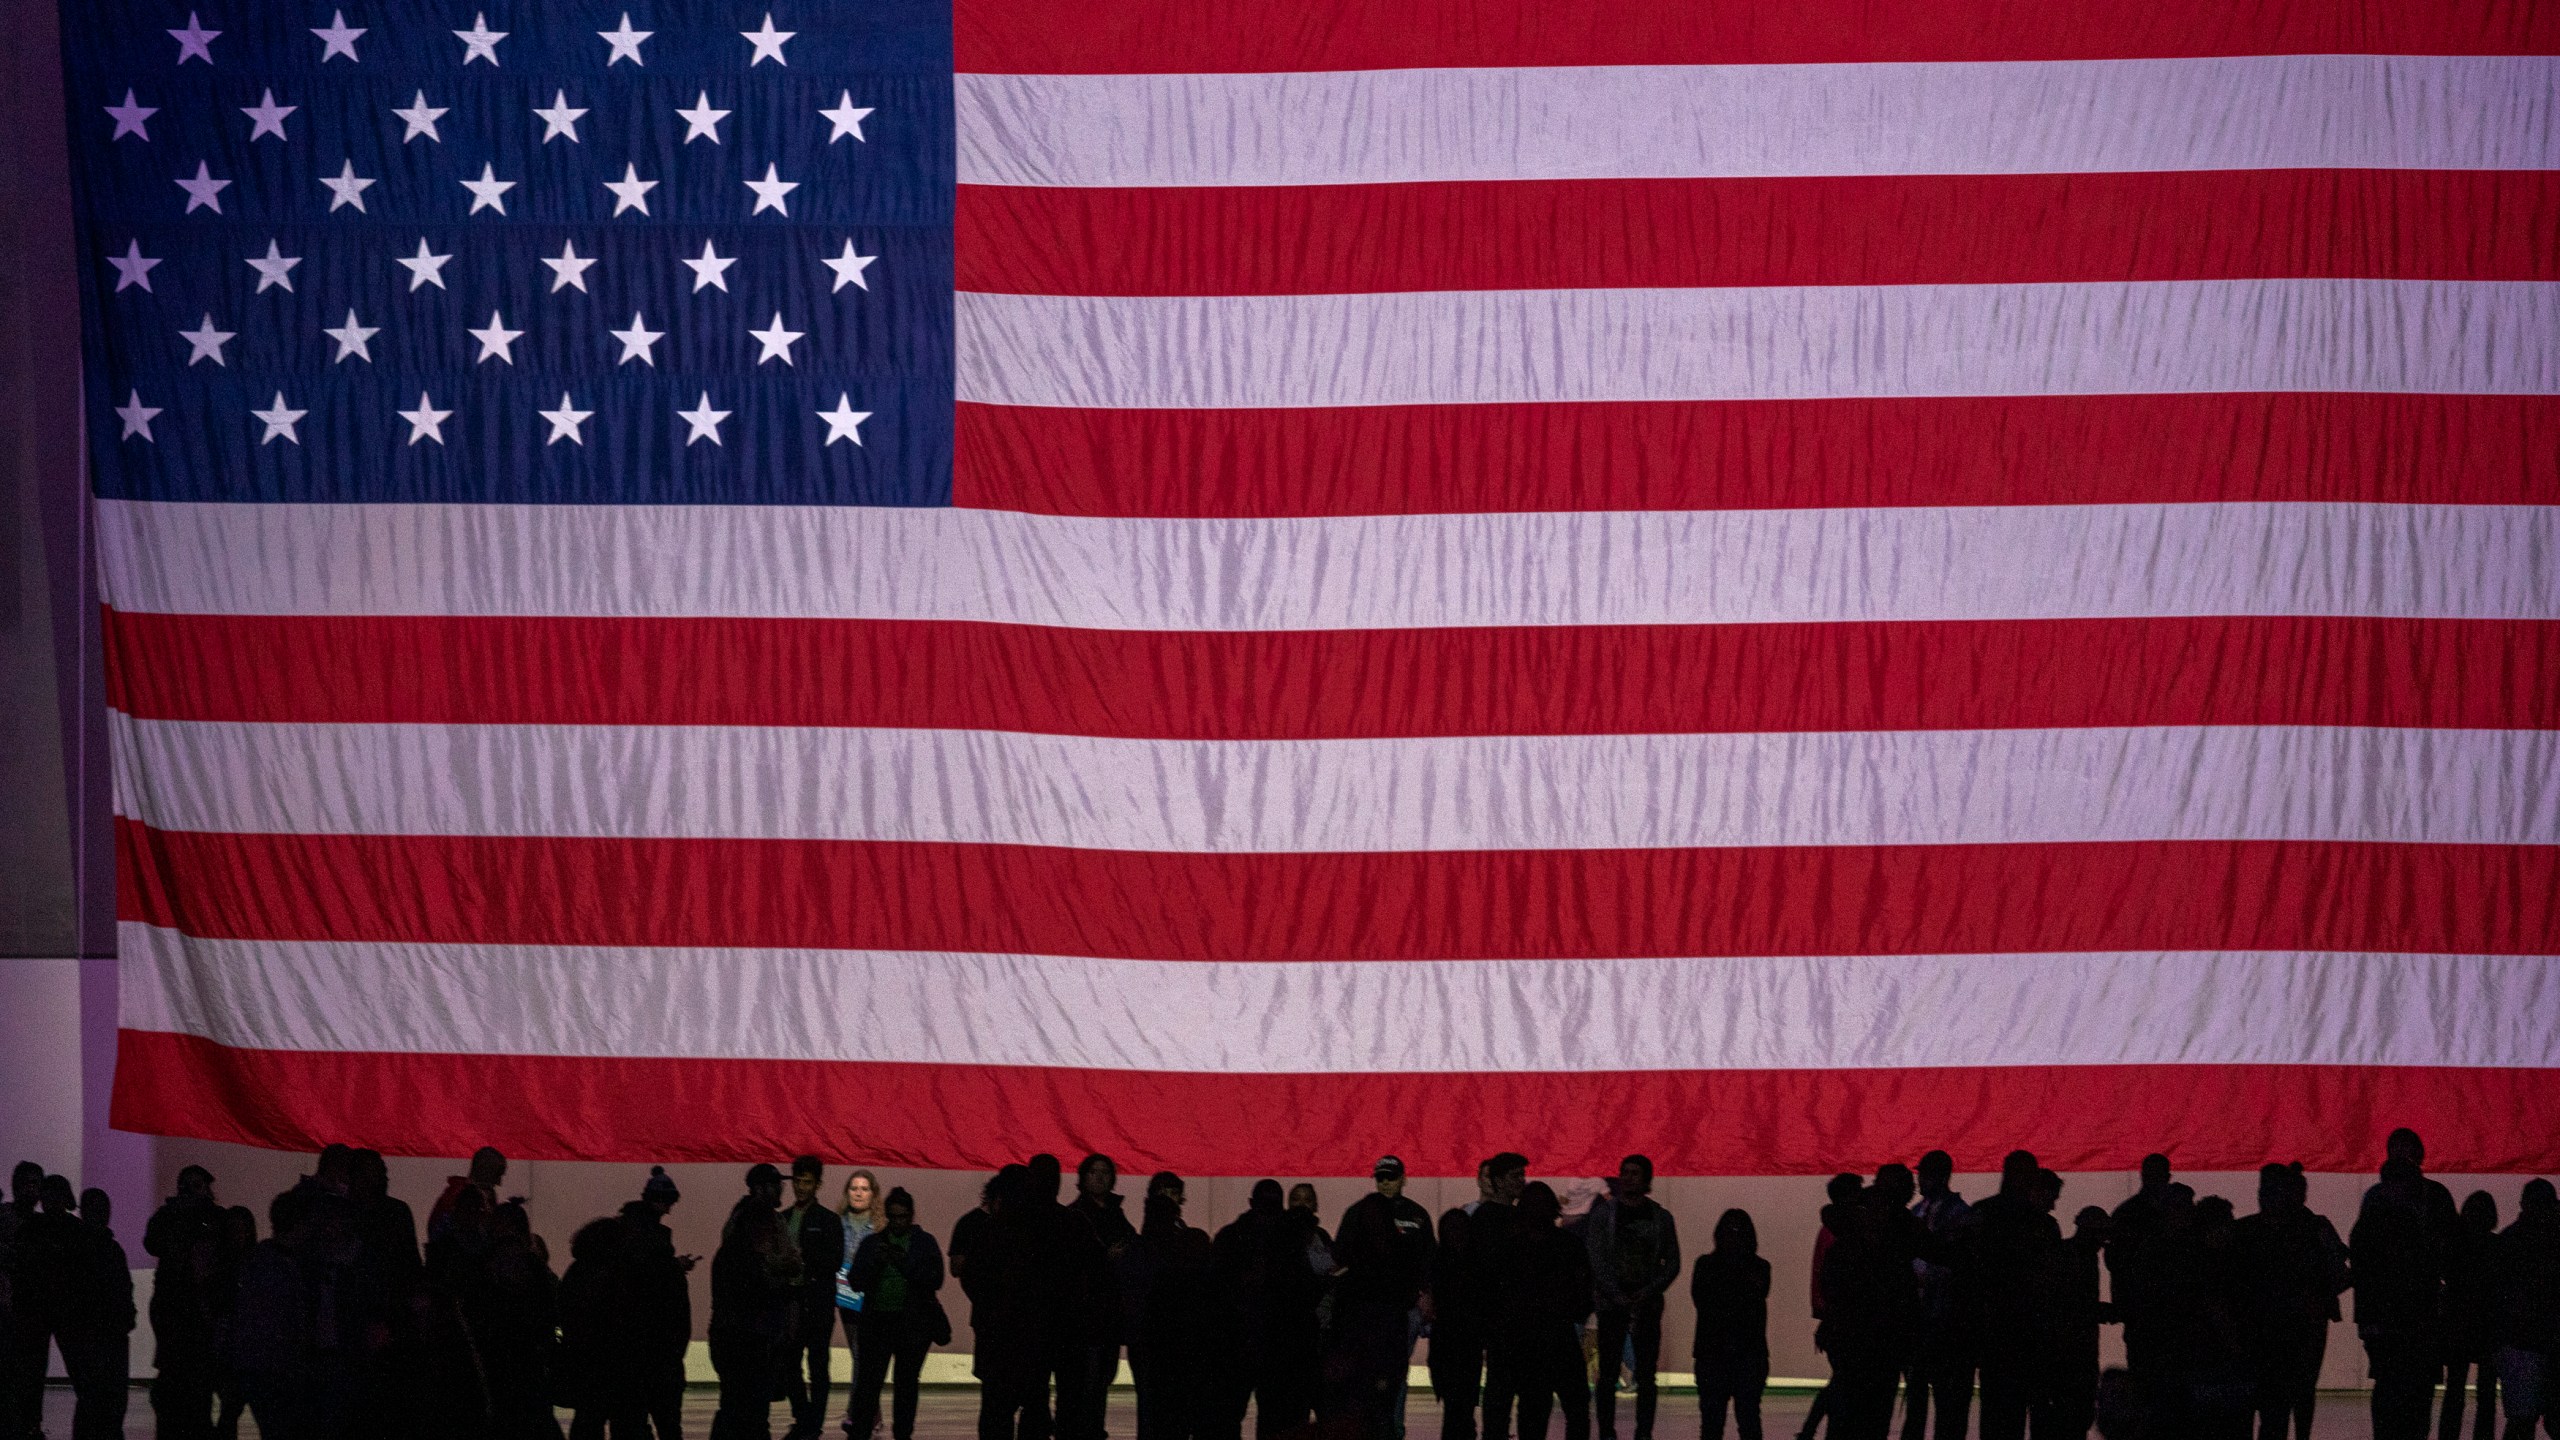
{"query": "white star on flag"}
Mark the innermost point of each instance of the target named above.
(844, 422)
(848, 267)
(700, 123)
(625, 42)
(560, 119)
(345, 188)
(267, 117)
(711, 269)
(702, 422)
(279, 419)
(195, 42)
(630, 192)
(137, 417)
(274, 269)
(488, 191)
(496, 340)
(636, 342)
(426, 422)
(846, 118)
(203, 192)
(769, 192)
(421, 118)
(133, 267)
(480, 42)
(354, 338)
(565, 421)
(777, 342)
(424, 268)
(569, 269)
(768, 42)
(338, 39)
(205, 343)
(130, 117)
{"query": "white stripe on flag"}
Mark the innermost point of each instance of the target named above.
(1760, 1012)
(1759, 343)
(2417, 112)
(1918, 787)
(1335, 573)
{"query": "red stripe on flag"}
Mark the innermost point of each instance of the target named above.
(1763, 1122)
(1753, 455)
(1188, 36)
(1489, 905)
(1334, 684)
(1828, 230)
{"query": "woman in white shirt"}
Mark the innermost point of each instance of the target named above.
(862, 1208)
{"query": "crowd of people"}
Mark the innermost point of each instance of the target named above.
(338, 1321)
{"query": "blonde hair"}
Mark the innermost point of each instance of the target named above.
(878, 1213)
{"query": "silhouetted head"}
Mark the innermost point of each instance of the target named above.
(2404, 1144)
(55, 1195)
(1046, 1176)
(368, 1175)
(26, 1184)
(1538, 1204)
(1264, 1198)
(659, 1192)
(1510, 1176)
(2155, 1172)
(1165, 1182)
(488, 1167)
(1635, 1177)
(2093, 1225)
(899, 1210)
(2275, 1189)
(1302, 1197)
(1844, 1187)
(2538, 1202)
(2176, 1199)
(2480, 1212)
(596, 1240)
(2045, 1190)
(336, 1168)
(290, 1211)
(510, 1222)
(2018, 1173)
(240, 1223)
(96, 1208)
(764, 1183)
(1937, 1168)
(1893, 1185)
(1008, 1187)
(195, 1183)
(1484, 1183)
(1163, 1213)
(1736, 1235)
(1097, 1175)
(2402, 1173)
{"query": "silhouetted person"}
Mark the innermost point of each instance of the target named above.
(186, 1235)
(594, 1369)
(898, 1269)
(272, 1336)
(2528, 1311)
(808, 1367)
(1941, 1374)
(1871, 1303)
(1272, 1291)
(662, 1300)
(2074, 1385)
(513, 1311)
(1542, 1293)
(1092, 1358)
(755, 1305)
(2402, 1240)
(41, 1244)
(2288, 1270)
(2470, 1318)
(1841, 1189)
(96, 1325)
(2134, 1224)
(995, 1254)
(2014, 1249)
(1171, 1314)
(240, 1236)
(487, 1171)
(1384, 1252)
(1730, 1350)
(1462, 1302)
(1635, 1259)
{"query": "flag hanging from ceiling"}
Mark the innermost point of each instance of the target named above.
(1251, 584)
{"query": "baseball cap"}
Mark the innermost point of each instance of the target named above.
(1387, 1168)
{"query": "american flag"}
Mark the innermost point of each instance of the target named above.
(1244, 584)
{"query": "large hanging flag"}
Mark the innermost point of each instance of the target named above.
(1246, 584)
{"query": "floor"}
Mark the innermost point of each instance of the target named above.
(951, 1414)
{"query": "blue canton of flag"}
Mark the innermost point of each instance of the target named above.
(629, 252)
